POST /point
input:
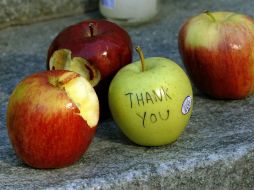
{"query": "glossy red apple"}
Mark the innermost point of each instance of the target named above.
(52, 117)
(105, 46)
(217, 50)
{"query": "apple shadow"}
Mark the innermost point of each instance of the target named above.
(108, 131)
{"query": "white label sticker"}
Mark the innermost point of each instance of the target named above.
(186, 105)
(108, 3)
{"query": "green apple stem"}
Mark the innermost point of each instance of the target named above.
(142, 59)
(91, 28)
(208, 13)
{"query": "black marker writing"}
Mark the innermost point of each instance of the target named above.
(143, 98)
(153, 117)
(143, 118)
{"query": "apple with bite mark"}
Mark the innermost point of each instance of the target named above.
(151, 100)
(52, 117)
(217, 51)
(104, 45)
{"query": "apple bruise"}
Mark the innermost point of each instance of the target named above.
(62, 60)
(83, 95)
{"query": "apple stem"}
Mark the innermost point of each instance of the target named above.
(208, 13)
(91, 28)
(142, 59)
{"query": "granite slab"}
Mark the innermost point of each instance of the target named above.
(16, 12)
(216, 151)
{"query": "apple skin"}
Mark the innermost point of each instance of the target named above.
(45, 126)
(146, 118)
(108, 49)
(218, 54)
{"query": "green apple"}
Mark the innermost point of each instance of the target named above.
(151, 100)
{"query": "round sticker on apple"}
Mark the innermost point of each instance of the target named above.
(186, 105)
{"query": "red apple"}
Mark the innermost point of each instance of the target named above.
(52, 117)
(217, 50)
(105, 46)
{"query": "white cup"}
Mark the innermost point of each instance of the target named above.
(128, 12)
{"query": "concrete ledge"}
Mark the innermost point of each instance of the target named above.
(15, 12)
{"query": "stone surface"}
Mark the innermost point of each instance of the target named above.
(25, 11)
(216, 151)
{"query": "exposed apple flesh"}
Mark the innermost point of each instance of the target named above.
(52, 117)
(62, 60)
(83, 95)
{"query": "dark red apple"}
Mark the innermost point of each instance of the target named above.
(217, 49)
(52, 117)
(105, 46)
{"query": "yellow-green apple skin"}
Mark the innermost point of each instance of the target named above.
(52, 117)
(151, 107)
(217, 49)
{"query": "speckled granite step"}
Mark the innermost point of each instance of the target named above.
(13, 12)
(216, 151)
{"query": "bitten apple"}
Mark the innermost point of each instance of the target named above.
(217, 50)
(152, 103)
(103, 44)
(51, 118)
